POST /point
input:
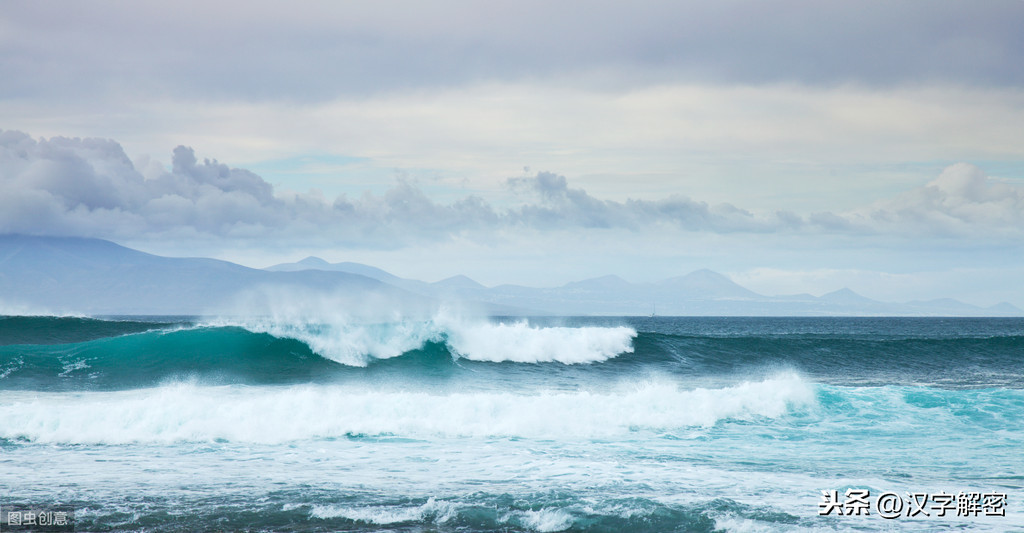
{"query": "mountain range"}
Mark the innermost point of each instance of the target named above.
(702, 292)
(92, 276)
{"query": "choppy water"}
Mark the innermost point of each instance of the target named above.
(454, 424)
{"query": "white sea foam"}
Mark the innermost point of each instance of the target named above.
(187, 412)
(71, 366)
(348, 342)
(435, 511)
(15, 364)
(519, 342)
(356, 338)
(543, 520)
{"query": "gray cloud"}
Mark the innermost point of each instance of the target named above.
(562, 206)
(89, 187)
(321, 50)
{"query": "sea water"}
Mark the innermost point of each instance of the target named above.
(513, 424)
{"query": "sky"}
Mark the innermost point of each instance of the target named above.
(794, 146)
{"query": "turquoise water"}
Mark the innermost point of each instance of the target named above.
(457, 424)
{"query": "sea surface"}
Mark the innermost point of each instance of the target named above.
(456, 424)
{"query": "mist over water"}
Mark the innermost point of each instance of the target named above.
(308, 416)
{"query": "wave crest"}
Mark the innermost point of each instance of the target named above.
(357, 343)
(521, 343)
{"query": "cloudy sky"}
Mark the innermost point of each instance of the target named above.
(795, 146)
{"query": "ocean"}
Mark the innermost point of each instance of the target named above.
(455, 424)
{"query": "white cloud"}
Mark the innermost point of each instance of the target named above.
(962, 201)
(90, 187)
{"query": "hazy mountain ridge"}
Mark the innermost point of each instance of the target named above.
(702, 292)
(63, 274)
(99, 277)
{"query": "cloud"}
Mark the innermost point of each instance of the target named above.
(324, 48)
(562, 206)
(721, 143)
(89, 187)
(959, 202)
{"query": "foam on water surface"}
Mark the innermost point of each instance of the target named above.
(185, 412)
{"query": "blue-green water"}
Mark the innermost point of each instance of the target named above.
(456, 424)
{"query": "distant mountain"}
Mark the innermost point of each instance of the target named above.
(462, 289)
(1005, 308)
(951, 307)
(459, 282)
(439, 288)
(704, 284)
(315, 263)
(99, 277)
(847, 297)
(702, 292)
(308, 263)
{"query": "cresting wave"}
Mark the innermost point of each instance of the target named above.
(185, 412)
(357, 342)
(357, 332)
(96, 354)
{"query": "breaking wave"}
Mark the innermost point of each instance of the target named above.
(187, 412)
(357, 343)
